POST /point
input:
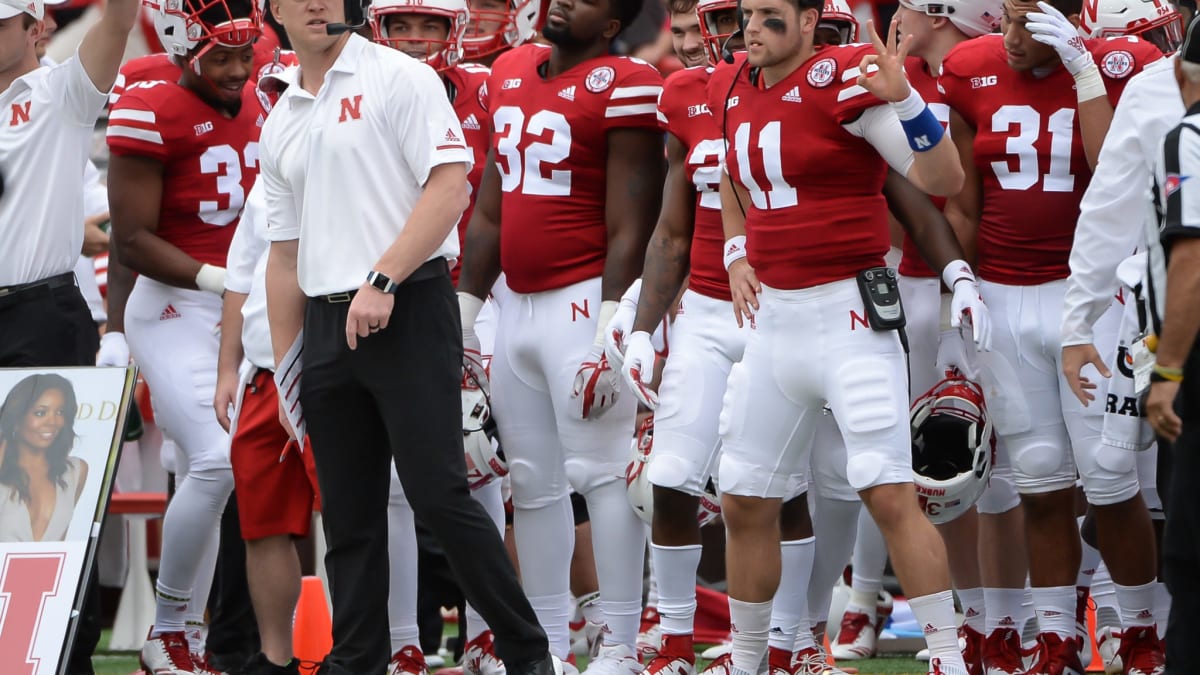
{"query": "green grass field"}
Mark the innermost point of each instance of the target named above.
(125, 663)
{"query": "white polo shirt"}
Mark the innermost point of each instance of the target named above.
(343, 169)
(46, 122)
(246, 273)
(1115, 205)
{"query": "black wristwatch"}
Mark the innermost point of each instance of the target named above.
(382, 282)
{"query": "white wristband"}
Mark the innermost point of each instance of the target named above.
(607, 309)
(633, 293)
(735, 250)
(910, 107)
(1089, 84)
(469, 307)
(956, 271)
(211, 278)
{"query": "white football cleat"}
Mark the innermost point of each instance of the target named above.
(169, 654)
(408, 661)
(855, 638)
(479, 656)
(717, 651)
(614, 660)
(675, 656)
(1108, 643)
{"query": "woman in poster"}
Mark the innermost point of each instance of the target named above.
(39, 481)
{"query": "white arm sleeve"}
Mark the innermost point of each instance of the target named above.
(881, 128)
(1114, 205)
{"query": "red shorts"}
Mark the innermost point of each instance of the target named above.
(276, 484)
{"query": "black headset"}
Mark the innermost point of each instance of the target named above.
(356, 18)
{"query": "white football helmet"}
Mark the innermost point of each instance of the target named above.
(972, 17)
(183, 25)
(439, 54)
(714, 39)
(1155, 21)
(641, 491)
(837, 15)
(953, 447)
(485, 457)
(491, 31)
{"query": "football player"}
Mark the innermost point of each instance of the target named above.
(686, 38)
(432, 31)
(808, 245)
(184, 154)
(565, 208)
(1026, 140)
(499, 25)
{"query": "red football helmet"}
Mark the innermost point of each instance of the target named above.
(714, 39)
(490, 31)
(1155, 21)
(183, 25)
(837, 15)
(953, 447)
(439, 54)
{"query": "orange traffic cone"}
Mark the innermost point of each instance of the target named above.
(1097, 664)
(312, 627)
(829, 657)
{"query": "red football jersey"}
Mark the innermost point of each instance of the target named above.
(160, 66)
(1029, 152)
(684, 110)
(468, 82)
(210, 162)
(551, 149)
(816, 212)
(912, 264)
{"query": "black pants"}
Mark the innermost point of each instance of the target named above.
(1181, 540)
(46, 326)
(397, 398)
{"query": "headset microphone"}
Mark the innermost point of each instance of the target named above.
(356, 18)
(726, 52)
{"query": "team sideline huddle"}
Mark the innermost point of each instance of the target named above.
(741, 324)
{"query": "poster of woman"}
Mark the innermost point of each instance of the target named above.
(60, 431)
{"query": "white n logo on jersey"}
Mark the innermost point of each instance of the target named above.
(793, 95)
(568, 93)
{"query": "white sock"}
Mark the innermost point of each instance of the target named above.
(789, 611)
(835, 527)
(476, 626)
(751, 623)
(1137, 604)
(194, 618)
(545, 538)
(402, 570)
(1055, 608)
(935, 614)
(589, 608)
(870, 558)
(1004, 609)
(974, 614)
(1162, 607)
(652, 585)
(1104, 593)
(618, 566)
(1028, 620)
(188, 535)
(677, 590)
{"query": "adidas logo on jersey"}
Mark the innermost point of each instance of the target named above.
(471, 123)
(169, 313)
(793, 95)
(568, 93)
(452, 137)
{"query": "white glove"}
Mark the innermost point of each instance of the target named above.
(596, 384)
(968, 303)
(1050, 27)
(113, 350)
(638, 369)
(621, 324)
(475, 375)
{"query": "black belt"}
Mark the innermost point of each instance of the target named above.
(430, 270)
(50, 283)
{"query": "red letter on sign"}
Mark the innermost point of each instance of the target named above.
(26, 581)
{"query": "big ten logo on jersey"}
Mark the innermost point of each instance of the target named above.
(20, 113)
(27, 581)
(226, 164)
(697, 110)
(204, 128)
(1023, 127)
(524, 170)
(706, 160)
(985, 81)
